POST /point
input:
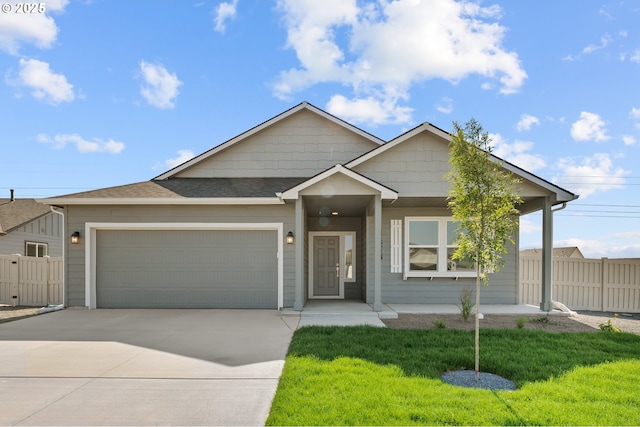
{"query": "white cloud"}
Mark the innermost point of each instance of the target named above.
(526, 121)
(529, 227)
(635, 113)
(445, 106)
(590, 127)
(391, 45)
(183, 156)
(223, 13)
(635, 56)
(606, 246)
(593, 175)
(628, 140)
(161, 87)
(38, 29)
(517, 153)
(604, 42)
(368, 110)
(46, 85)
(82, 145)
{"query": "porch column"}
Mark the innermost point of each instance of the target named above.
(547, 255)
(299, 255)
(377, 253)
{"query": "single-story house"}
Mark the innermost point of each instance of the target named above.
(29, 228)
(302, 206)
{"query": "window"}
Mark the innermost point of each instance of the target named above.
(429, 249)
(36, 249)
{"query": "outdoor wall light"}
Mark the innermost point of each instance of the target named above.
(75, 237)
(289, 238)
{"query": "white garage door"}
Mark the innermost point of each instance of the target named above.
(186, 269)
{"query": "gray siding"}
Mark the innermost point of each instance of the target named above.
(46, 229)
(77, 216)
(502, 289)
(298, 146)
(414, 168)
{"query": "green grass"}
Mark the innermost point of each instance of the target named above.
(379, 376)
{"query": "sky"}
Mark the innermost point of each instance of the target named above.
(100, 93)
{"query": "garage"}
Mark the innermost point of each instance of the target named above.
(186, 268)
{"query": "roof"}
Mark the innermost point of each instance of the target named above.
(386, 192)
(262, 126)
(568, 252)
(18, 212)
(184, 190)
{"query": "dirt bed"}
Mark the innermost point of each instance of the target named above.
(583, 322)
(9, 313)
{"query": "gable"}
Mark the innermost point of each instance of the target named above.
(414, 168)
(300, 145)
(415, 164)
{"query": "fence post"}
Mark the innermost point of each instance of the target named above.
(602, 276)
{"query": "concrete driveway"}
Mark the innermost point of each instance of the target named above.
(142, 367)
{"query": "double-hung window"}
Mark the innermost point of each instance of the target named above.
(429, 247)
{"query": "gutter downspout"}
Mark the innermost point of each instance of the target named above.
(64, 259)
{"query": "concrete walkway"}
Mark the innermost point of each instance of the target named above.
(142, 367)
(352, 313)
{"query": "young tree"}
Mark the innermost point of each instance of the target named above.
(483, 199)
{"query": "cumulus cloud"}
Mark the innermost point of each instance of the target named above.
(380, 49)
(635, 114)
(161, 87)
(635, 56)
(37, 29)
(223, 13)
(445, 106)
(594, 174)
(590, 127)
(628, 140)
(183, 156)
(368, 110)
(45, 85)
(526, 121)
(97, 145)
(517, 153)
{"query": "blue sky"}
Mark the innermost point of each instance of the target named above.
(103, 93)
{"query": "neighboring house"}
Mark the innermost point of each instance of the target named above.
(303, 206)
(29, 228)
(568, 252)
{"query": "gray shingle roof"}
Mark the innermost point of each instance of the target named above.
(18, 212)
(194, 188)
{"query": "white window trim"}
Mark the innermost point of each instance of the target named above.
(442, 251)
(37, 245)
(91, 229)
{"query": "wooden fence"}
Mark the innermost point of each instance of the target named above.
(584, 284)
(30, 281)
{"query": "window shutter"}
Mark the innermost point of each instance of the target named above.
(396, 246)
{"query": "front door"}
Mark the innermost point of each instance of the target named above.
(326, 277)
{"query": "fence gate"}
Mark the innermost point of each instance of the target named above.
(30, 281)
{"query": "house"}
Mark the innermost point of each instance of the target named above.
(567, 252)
(29, 228)
(302, 206)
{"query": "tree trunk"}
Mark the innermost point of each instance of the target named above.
(477, 367)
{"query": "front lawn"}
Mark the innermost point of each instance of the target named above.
(379, 376)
